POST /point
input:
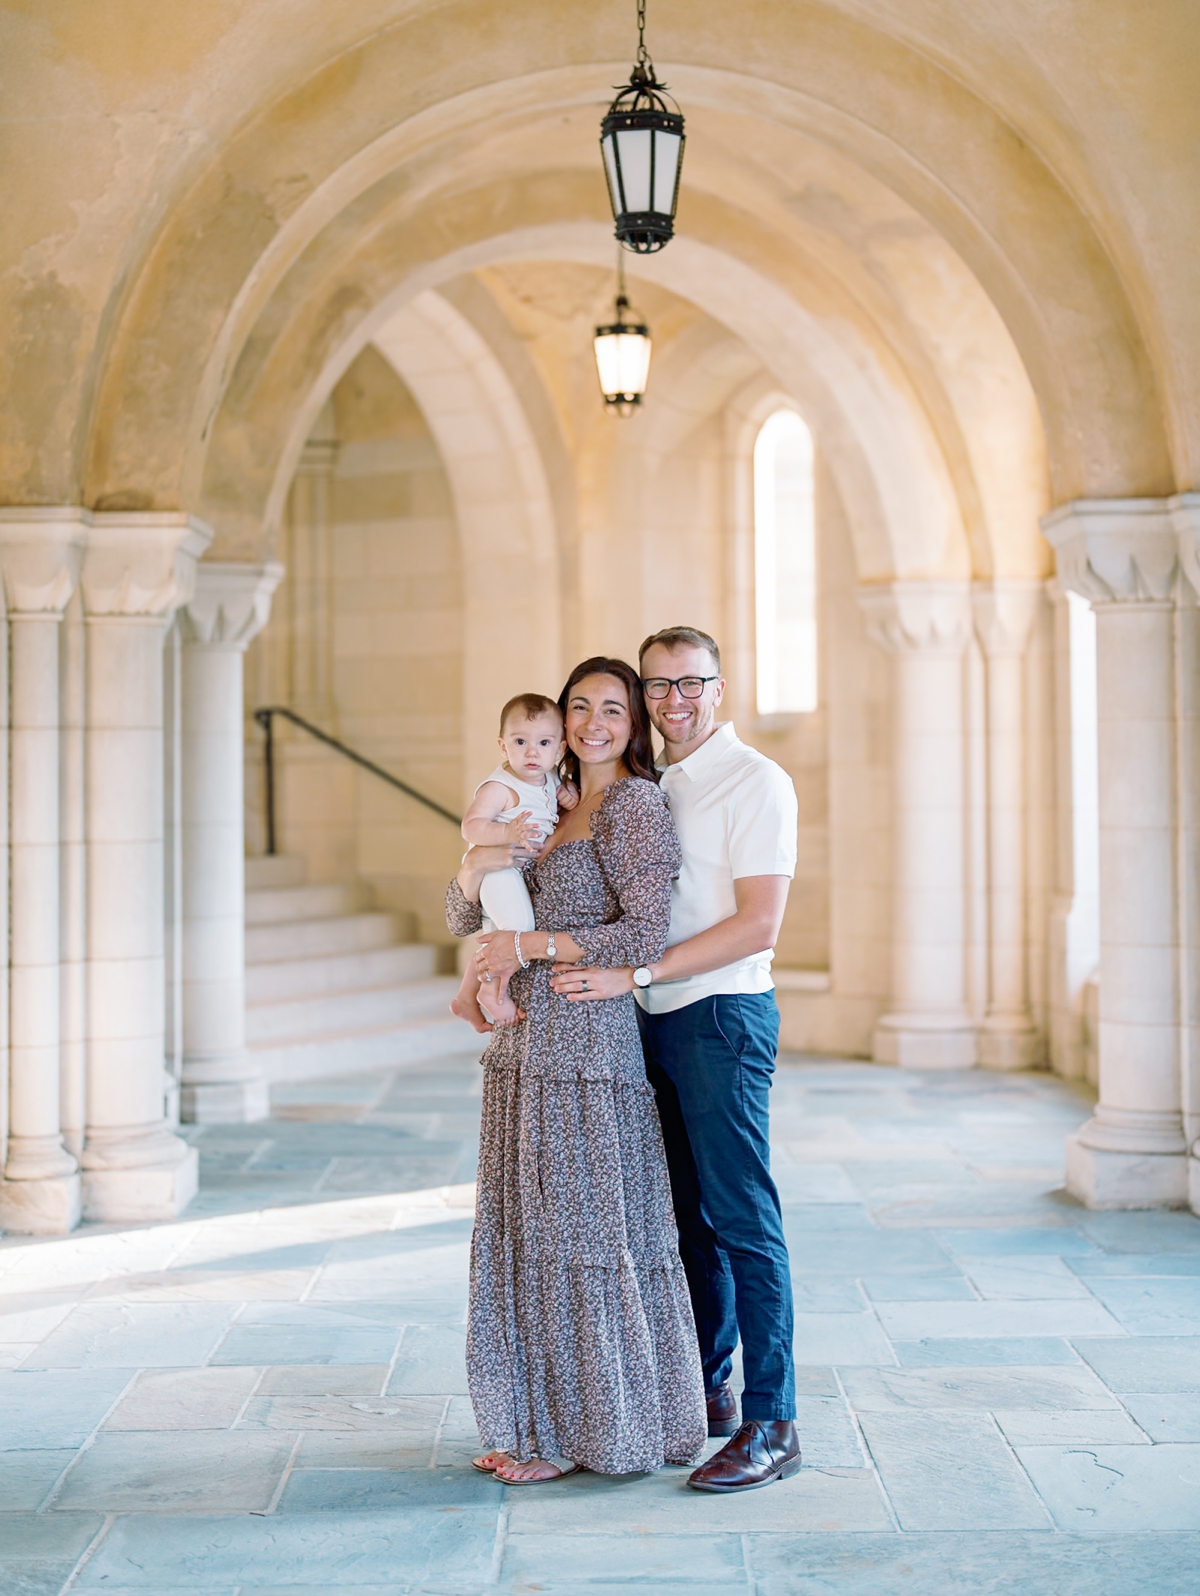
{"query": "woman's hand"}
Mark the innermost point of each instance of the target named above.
(496, 955)
(483, 858)
(587, 985)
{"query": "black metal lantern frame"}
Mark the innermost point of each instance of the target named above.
(642, 141)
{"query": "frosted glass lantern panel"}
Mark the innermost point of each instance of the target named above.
(622, 362)
(785, 567)
(633, 147)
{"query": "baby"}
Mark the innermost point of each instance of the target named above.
(518, 803)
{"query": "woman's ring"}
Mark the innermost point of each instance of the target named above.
(585, 985)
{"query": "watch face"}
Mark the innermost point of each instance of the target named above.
(642, 977)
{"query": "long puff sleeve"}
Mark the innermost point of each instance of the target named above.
(639, 854)
(463, 918)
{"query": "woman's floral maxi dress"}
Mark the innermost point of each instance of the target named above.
(581, 1342)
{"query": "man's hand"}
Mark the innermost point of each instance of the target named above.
(586, 985)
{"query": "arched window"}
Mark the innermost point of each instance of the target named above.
(785, 566)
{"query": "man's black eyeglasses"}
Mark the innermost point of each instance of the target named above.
(689, 686)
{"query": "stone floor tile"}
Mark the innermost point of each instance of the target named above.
(341, 1550)
(1167, 1416)
(1145, 1363)
(262, 1344)
(25, 1478)
(363, 1490)
(623, 1563)
(950, 1471)
(1026, 1277)
(897, 1390)
(829, 1295)
(663, 1503)
(1058, 1240)
(59, 1409)
(134, 1335)
(872, 1252)
(1072, 1427)
(1148, 1231)
(333, 1411)
(974, 1564)
(410, 1449)
(353, 1315)
(15, 1352)
(324, 1379)
(1117, 1487)
(46, 1537)
(828, 1438)
(31, 1318)
(812, 1379)
(919, 1288)
(1124, 1264)
(432, 1360)
(813, 1183)
(206, 1285)
(197, 1471)
(980, 1351)
(801, 1219)
(840, 1338)
(183, 1399)
(1152, 1307)
(917, 1321)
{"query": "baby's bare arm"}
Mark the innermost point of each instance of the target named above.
(480, 825)
(568, 795)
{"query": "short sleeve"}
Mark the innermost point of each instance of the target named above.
(762, 823)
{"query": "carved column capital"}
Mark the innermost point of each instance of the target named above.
(918, 617)
(230, 603)
(41, 550)
(1003, 610)
(141, 563)
(1116, 551)
(1185, 517)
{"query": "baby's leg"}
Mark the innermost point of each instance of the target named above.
(505, 900)
(465, 1002)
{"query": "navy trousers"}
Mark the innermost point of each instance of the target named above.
(710, 1064)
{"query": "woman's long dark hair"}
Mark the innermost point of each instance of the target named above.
(639, 756)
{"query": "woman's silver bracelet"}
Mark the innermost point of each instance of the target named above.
(521, 959)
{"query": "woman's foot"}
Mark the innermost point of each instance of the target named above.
(533, 1472)
(490, 1461)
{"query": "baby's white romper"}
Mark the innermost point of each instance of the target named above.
(504, 896)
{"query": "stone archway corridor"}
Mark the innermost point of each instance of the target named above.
(999, 1390)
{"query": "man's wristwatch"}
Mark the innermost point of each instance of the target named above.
(642, 976)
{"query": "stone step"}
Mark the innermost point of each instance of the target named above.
(275, 905)
(345, 1013)
(344, 972)
(310, 939)
(274, 870)
(413, 1043)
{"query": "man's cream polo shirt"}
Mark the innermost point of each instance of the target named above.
(735, 811)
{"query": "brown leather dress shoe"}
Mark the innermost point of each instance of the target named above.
(762, 1451)
(722, 1410)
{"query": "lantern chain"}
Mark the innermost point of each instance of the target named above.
(643, 55)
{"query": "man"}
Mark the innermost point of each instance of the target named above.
(710, 1030)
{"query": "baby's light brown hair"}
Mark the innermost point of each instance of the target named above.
(532, 705)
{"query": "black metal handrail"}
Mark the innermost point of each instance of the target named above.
(265, 718)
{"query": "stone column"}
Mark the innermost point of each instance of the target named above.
(1185, 515)
(925, 626)
(229, 606)
(1004, 611)
(40, 558)
(310, 581)
(138, 568)
(1122, 555)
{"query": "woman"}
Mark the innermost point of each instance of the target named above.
(581, 1348)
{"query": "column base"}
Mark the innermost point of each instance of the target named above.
(1009, 1044)
(1194, 1183)
(225, 1102)
(1103, 1178)
(148, 1191)
(48, 1207)
(925, 1042)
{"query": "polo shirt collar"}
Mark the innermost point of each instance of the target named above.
(696, 766)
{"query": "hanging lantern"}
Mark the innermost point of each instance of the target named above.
(622, 359)
(642, 142)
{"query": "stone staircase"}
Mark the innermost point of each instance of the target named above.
(331, 988)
